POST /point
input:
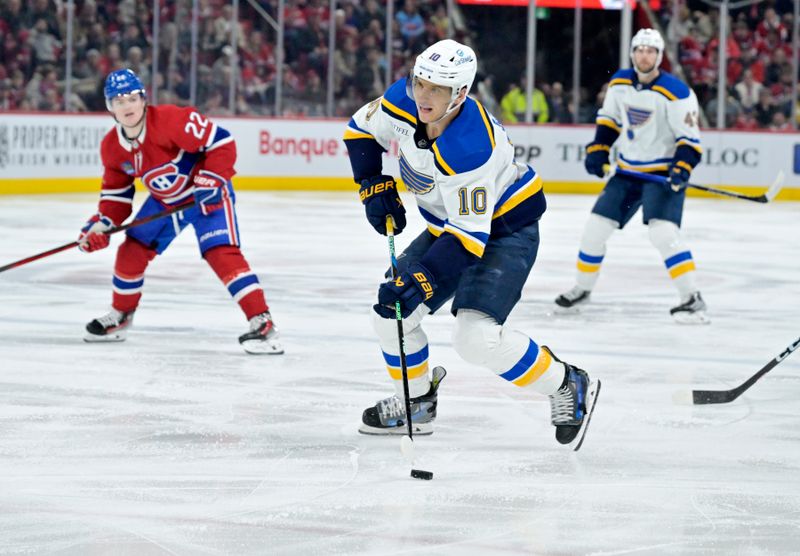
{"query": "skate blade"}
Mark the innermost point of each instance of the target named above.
(107, 338)
(698, 317)
(422, 429)
(262, 347)
(591, 400)
(559, 310)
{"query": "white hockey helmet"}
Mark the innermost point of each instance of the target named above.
(447, 63)
(648, 37)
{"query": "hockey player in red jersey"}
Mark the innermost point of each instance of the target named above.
(180, 156)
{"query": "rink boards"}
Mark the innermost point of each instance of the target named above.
(59, 153)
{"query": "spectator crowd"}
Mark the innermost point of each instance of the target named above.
(759, 61)
(113, 35)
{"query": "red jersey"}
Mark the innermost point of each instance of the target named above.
(174, 145)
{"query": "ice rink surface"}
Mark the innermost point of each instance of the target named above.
(176, 442)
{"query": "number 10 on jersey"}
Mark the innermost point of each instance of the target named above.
(474, 200)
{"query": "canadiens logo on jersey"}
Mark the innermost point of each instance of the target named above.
(169, 180)
(416, 182)
(637, 116)
(165, 181)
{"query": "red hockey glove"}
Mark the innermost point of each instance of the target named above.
(93, 235)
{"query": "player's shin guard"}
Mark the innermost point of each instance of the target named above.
(593, 249)
(590, 256)
(232, 269)
(510, 354)
(388, 416)
(516, 358)
(665, 236)
(416, 349)
(131, 263)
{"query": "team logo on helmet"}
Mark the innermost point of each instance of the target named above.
(122, 82)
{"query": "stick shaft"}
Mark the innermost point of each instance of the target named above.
(400, 333)
(660, 179)
(72, 244)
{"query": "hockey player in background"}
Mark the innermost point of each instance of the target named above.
(482, 210)
(652, 116)
(180, 156)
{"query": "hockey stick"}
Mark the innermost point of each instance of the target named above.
(703, 397)
(765, 197)
(407, 442)
(71, 244)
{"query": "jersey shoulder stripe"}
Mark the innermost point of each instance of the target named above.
(622, 77)
(671, 87)
(352, 131)
(467, 143)
(395, 103)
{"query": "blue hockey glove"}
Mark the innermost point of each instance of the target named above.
(380, 198)
(596, 159)
(209, 191)
(678, 176)
(411, 288)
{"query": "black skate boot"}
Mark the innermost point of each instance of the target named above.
(692, 310)
(387, 417)
(263, 337)
(111, 327)
(572, 405)
(568, 301)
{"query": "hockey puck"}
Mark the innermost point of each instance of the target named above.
(420, 474)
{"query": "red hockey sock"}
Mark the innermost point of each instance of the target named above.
(132, 260)
(242, 283)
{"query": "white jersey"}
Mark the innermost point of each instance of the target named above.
(465, 181)
(653, 119)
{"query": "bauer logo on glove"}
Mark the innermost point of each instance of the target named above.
(380, 198)
(210, 191)
(411, 288)
(376, 189)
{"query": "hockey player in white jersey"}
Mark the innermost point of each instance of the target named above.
(652, 117)
(482, 211)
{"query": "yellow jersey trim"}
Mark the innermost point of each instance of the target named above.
(663, 91)
(398, 111)
(529, 190)
(620, 81)
(449, 171)
(350, 134)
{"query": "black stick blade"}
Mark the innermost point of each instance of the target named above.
(704, 397)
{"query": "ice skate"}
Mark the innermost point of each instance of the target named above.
(387, 417)
(568, 302)
(572, 405)
(263, 337)
(692, 310)
(111, 327)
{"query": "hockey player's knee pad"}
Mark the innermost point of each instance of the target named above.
(595, 235)
(476, 336)
(133, 257)
(664, 235)
(386, 329)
